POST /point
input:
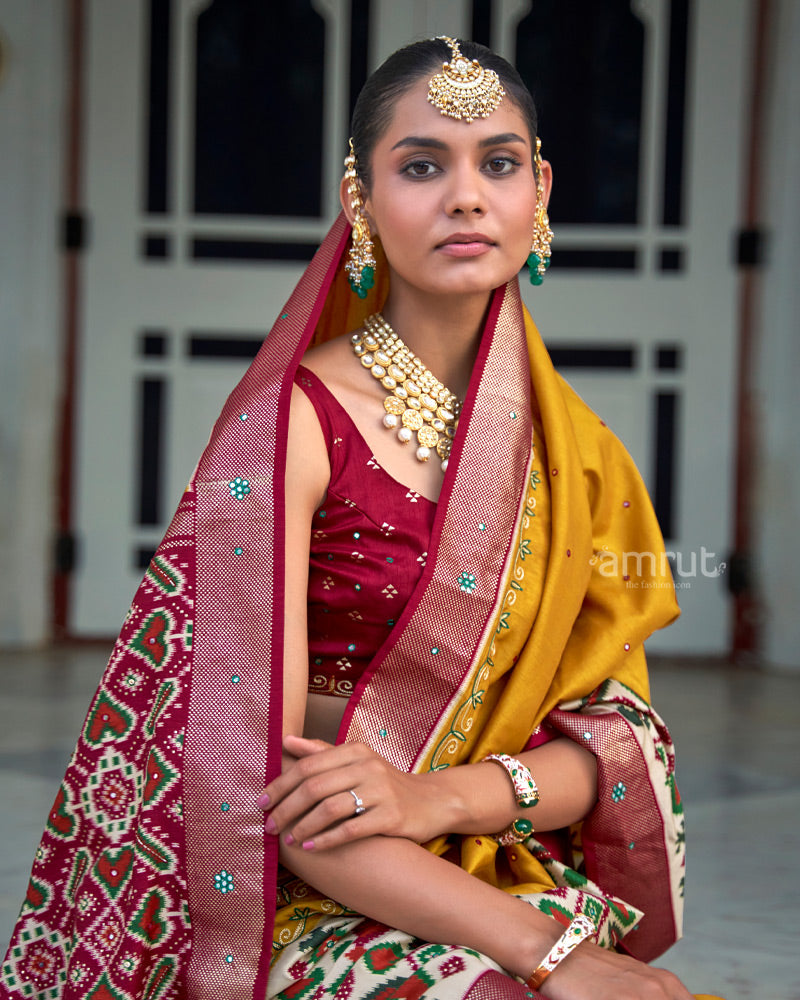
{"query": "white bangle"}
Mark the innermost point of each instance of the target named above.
(525, 792)
(579, 930)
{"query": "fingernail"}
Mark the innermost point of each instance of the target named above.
(263, 800)
(308, 845)
(288, 840)
(271, 826)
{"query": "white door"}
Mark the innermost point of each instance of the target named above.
(214, 144)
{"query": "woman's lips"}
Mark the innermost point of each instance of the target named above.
(465, 247)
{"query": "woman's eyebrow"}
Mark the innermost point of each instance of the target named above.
(501, 139)
(427, 142)
(420, 140)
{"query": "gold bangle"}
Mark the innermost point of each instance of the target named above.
(579, 930)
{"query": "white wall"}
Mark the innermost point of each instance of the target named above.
(31, 112)
(777, 467)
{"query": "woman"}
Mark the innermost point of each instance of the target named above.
(442, 684)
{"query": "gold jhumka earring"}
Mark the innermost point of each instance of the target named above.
(360, 266)
(464, 89)
(539, 257)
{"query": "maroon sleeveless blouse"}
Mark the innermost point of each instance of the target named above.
(369, 543)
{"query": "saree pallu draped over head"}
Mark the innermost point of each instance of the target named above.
(154, 877)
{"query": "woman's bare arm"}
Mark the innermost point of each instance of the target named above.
(405, 886)
(402, 885)
(307, 477)
(480, 797)
(312, 804)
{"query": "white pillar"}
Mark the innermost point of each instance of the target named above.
(777, 464)
(31, 113)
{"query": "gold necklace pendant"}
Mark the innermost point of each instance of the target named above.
(416, 401)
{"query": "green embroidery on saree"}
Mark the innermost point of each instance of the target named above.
(299, 919)
(383, 956)
(457, 733)
(462, 718)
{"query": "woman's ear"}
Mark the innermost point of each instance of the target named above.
(344, 198)
(547, 180)
(347, 205)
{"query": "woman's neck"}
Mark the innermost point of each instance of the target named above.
(444, 331)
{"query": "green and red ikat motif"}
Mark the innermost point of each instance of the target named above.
(39, 894)
(165, 575)
(159, 777)
(104, 916)
(108, 720)
(151, 642)
(113, 869)
(151, 924)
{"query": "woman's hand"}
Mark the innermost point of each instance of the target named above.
(594, 973)
(311, 803)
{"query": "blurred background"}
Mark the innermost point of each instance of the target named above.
(168, 167)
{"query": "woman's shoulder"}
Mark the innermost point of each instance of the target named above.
(331, 362)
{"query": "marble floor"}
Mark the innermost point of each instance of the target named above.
(739, 772)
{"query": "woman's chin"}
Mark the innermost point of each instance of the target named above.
(462, 284)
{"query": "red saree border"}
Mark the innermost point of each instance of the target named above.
(444, 498)
(231, 862)
(493, 985)
(441, 631)
(626, 825)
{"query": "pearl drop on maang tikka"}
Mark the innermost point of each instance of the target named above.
(416, 402)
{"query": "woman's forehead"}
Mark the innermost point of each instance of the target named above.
(414, 116)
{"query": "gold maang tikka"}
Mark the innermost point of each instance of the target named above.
(464, 89)
(539, 256)
(360, 266)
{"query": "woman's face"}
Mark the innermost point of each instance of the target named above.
(452, 202)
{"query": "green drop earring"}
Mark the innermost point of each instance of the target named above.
(360, 266)
(539, 257)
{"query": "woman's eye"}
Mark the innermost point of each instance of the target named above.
(502, 164)
(420, 168)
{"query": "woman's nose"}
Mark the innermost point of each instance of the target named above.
(465, 195)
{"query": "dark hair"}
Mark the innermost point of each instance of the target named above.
(373, 111)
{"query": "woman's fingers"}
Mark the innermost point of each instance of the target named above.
(308, 789)
(312, 800)
(314, 794)
(299, 746)
(313, 757)
(333, 822)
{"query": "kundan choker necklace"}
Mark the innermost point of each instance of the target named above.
(416, 400)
